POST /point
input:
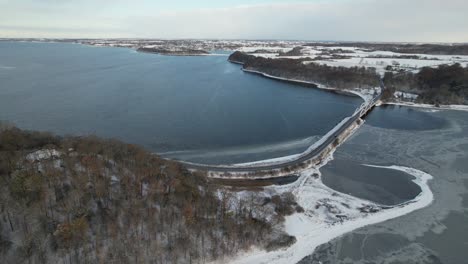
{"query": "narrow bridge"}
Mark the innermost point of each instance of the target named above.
(302, 158)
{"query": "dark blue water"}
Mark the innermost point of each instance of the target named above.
(380, 185)
(404, 118)
(436, 234)
(201, 109)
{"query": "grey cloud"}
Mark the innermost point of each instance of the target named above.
(372, 20)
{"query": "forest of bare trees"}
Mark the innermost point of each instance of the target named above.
(446, 84)
(407, 48)
(337, 77)
(88, 200)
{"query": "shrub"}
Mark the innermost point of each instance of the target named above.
(26, 186)
(71, 233)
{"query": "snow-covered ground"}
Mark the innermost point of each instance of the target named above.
(317, 52)
(406, 96)
(365, 94)
(273, 49)
(380, 64)
(330, 214)
(356, 57)
(432, 107)
(43, 154)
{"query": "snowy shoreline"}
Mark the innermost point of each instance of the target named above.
(352, 92)
(429, 106)
(274, 161)
(315, 226)
(363, 93)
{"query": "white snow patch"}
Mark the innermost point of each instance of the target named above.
(275, 49)
(43, 154)
(405, 96)
(114, 179)
(370, 59)
(429, 106)
(380, 64)
(330, 214)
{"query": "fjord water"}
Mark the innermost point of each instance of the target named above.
(201, 109)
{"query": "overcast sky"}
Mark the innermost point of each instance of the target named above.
(366, 20)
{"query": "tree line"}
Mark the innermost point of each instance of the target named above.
(336, 77)
(104, 201)
(446, 84)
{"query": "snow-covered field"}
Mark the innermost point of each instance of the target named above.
(356, 57)
(330, 214)
(380, 64)
(318, 52)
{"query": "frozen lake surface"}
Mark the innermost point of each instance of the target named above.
(435, 234)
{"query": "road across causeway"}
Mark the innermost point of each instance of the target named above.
(359, 113)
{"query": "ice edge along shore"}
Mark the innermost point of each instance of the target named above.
(311, 231)
(360, 93)
(365, 94)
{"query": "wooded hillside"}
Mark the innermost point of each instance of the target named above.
(337, 77)
(446, 84)
(88, 200)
